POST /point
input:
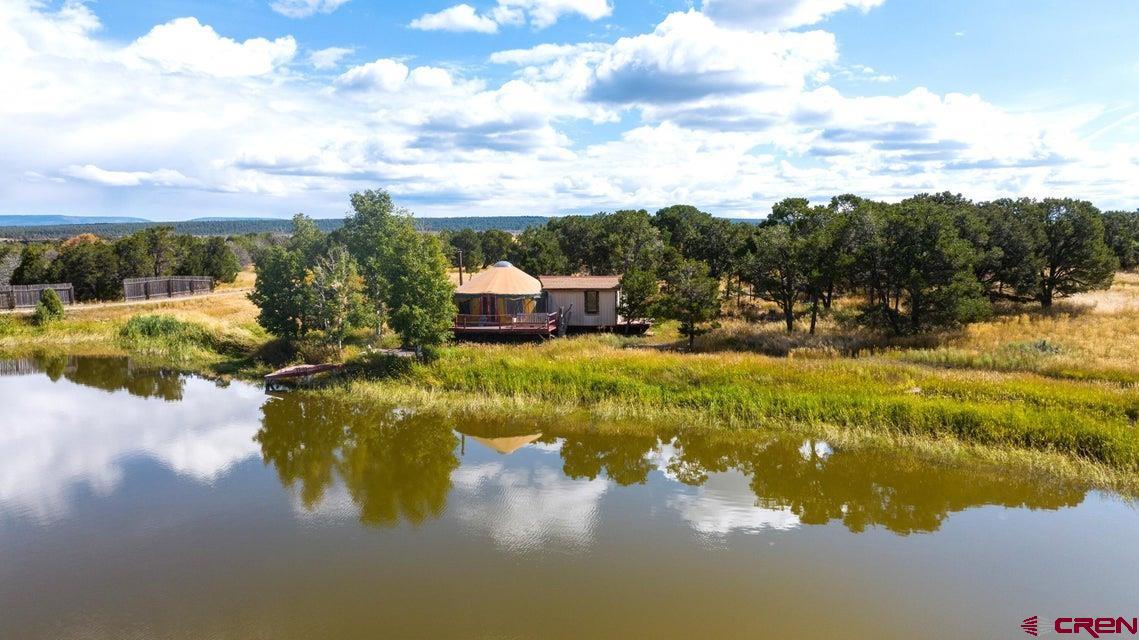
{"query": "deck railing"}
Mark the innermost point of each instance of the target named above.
(508, 321)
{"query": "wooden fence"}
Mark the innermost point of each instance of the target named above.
(26, 296)
(166, 287)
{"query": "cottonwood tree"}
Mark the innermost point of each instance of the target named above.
(336, 292)
(405, 271)
(691, 297)
(280, 292)
(420, 295)
(1073, 255)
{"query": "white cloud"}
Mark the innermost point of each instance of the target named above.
(382, 75)
(160, 177)
(305, 8)
(329, 58)
(537, 13)
(544, 53)
(688, 57)
(544, 13)
(779, 14)
(461, 17)
(186, 45)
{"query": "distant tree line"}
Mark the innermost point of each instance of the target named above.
(96, 266)
(930, 261)
(374, 271)
(244, 226)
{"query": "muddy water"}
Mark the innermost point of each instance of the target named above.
(138, 504)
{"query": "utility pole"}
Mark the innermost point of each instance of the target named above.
(460, 267)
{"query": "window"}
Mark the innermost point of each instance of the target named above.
(592, 303)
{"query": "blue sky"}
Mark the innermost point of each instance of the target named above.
(172, 109)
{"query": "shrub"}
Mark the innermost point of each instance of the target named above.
(48, 309)
(166, 336)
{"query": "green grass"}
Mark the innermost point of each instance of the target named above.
(1090, 421)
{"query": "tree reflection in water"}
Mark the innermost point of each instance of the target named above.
(397, 466)
(106, 373)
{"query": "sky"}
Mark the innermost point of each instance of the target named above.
(175, 109)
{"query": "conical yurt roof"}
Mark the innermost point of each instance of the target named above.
(502, 279)
(507, 446)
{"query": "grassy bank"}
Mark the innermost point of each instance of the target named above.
(1055, 392)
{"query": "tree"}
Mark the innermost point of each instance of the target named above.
(405, 271)
(372, 233)
(1121, 233)
(306, 238)
(421, 296)
(468, 244)
(640, 290)
(683, 226)
(91, 265)
(539, 252)
(135, 260)
(48, 309)
(280, 292)
(691, 297)
(775, 270)
(161, 250)
(1073, 256)
(337, 291)
(35, 264)
(496, 245)
(219, 261)
(190, 255)
(926, 276)
(625, 240)
(1008, 264)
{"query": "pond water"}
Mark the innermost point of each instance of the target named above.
(142, 504)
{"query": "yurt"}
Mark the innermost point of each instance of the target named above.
(500, 290)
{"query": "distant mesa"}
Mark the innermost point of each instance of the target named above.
(46, 220)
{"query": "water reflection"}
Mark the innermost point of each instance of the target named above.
(106, 373)
(395, 465)
(402, 466)
(70, 435)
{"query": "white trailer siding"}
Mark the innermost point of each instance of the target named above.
(607, 307)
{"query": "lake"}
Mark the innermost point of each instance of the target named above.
(137, 503)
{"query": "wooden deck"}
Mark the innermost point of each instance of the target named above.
(534, 324)
(302, 372)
